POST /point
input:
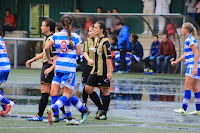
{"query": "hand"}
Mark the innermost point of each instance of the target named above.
(50, 61)
(173, 63)
(47, 71)
(91, 62)
(171, 59)
(109, 76)
(194, 71)
(29, 62)
(151, 57)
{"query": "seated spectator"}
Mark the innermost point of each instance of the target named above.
(167, 53)
(154, 52)
(9, 24)
(114, 49)
(136, 49)
(78, 10)
(171, 31)
(108, 21)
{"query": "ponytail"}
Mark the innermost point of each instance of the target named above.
(66, 22)
(194, 32)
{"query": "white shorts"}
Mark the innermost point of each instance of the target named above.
(65, 80)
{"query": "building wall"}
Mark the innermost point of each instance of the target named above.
(22, 8)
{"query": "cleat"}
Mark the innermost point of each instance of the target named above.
(35, 118)
(56, 119)
(62, 117)
(71, 121)
(195, 112)
(98, 113)
(102, 117)
(50, 114)
(8, 107)
(1, 113)
(85, 115)
(181, 111)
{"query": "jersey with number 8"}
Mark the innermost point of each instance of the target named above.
(66, 57)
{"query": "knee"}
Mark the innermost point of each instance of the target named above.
(88, 89)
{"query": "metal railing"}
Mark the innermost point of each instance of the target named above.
(16, 39)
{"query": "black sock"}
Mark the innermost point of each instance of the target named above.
(62, 109)
(85, 96)
(94, 97)
(106, 102)
(43, 103)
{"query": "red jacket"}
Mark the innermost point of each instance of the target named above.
(167, 48)
(11, 19)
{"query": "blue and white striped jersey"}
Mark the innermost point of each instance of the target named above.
(4, 61)
(189, 57)
(66, 58)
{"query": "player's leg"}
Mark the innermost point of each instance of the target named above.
(195, 88)
(188, 85)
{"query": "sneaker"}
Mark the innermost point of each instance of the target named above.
(195, 112)
(85, 115)
(50, 114)
(97, 114)
(8, 107)
(35, 118)
(181, 111)
(62, 117)
(56, 119)
(71, 121)
(145, 33)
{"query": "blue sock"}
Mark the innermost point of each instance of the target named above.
(3, 99)
(54, 99)
(197, 100)
(77, 104)
(60, 102)
(186, 99)
(68, 108)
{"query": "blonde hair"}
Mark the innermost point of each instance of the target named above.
(191, 29)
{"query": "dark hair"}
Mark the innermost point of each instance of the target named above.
(92, 26)
(115, 9)
(102, 25)
(165, 35)
(50, 23)
(113, 37)
(155, 36)
(59, 26)
(66, 21)
(100, 8)
(134, 36)
(1, 33)
(120, 23)
(8, 9)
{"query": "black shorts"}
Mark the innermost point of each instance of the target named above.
(98, 81)
(86, 72)
(48, 79)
